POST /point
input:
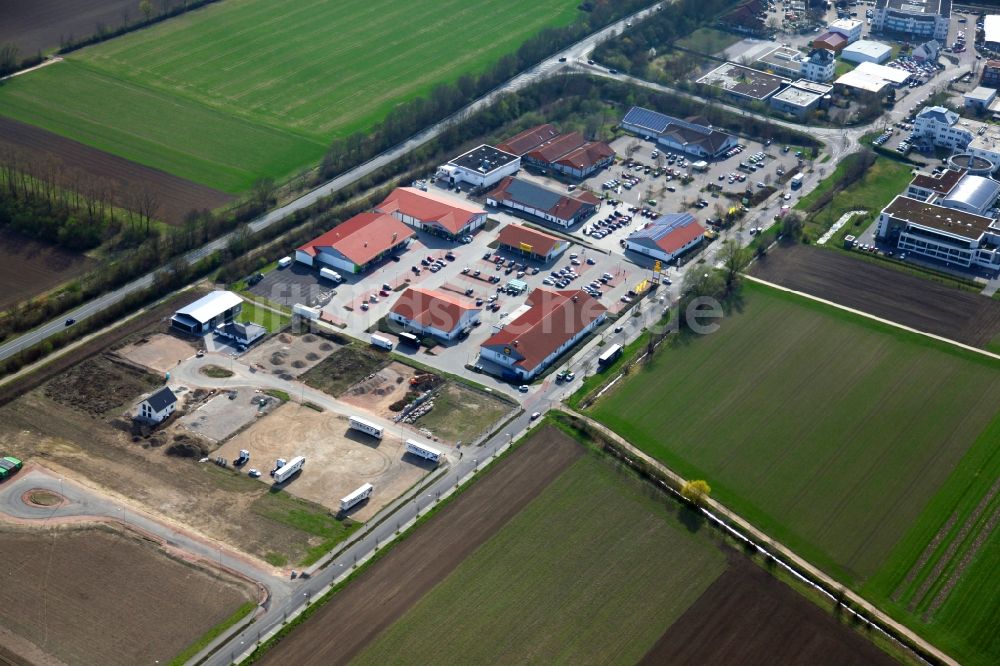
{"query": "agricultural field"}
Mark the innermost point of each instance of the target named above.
(29, 267)
(571, 541)
(129, 590)
(252, 88)
(867, 449)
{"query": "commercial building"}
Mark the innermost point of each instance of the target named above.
(849, 28)
(867, 50)
(932, 187)
(667, 237)
(991, 32)
(819, 66)
(956, 189)
(437, 313)
(748, 18)
(801, 97)
(531, 243)
(208, 311)
(243, 334)
(991, 74)
(357, 244)
(743, 83)
(686, 136)
(872, 79)
(985, 142)
(914, 18)
(831, 41)
(951, 236)
(157, 407)
(483, 166)
(542, 203)
(570, 154)
(980, 98)
(939, 127)
(434, 213)
(551, 323)
(783, 61)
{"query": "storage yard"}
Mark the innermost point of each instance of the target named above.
(870, 483)
(102, 596)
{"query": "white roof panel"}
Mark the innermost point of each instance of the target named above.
(210, 306)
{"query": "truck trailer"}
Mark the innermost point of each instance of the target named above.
(331, 275)
(286, 471)
(422, 450)
(381, 343)
(367, 427)
(358, 496)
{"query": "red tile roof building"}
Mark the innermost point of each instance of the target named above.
(553, 322)
(355, 245)
(667, 237)
(831, 41)
(543, 203)
(439, 215)
(571, 154)
(530, 242)
(430, 312)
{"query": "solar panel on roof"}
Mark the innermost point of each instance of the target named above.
(651, 120)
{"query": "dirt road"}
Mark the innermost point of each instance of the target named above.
(385, 592)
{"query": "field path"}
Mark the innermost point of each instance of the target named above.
(798, 565)
(383, 594)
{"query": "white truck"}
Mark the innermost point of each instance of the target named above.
(797, 181)
(331, 275)
(358, 496)
(423, 451)
(367, 427)
(381, 342)
(286, 471)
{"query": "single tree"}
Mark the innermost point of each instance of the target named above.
(146, 7)
(734, 259)
(696, 491)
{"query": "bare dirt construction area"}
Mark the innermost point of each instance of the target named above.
(29, 267)
(101, 385)
(922, 304)
(347, 366)
(78, 163)
(337, 632)
(377, 392)
(338, 460)
(748, 617)
(226, 413)
(461, 414)
(288, 355)
(40, 25)
(101, 596)
(159, 352)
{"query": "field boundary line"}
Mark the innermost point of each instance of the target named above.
(45, 63)
(868, 315)
(789, 560)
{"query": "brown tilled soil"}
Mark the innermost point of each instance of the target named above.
(29, 267)
(922, 304)
(338, 631)
(176, 196)
(101, 596)
(101, 384)
(40, 25)
(747, 617)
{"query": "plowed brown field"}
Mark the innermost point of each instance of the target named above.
(176, 197)
(29, 267)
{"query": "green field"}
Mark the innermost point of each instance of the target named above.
(708, 41)
(558, 583)
(250, 88)
(854, 443)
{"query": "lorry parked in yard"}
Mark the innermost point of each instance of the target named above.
(381, 343)
(331, 275)
(358, 496)
(286, 471)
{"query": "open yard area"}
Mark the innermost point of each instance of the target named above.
(288, 355)
(462, 414)
(569, 541)
(29, 267)
(867, 449)
(345, 367)
(217, 79)
(708, 41)
(159, 352)
(338, 460)
(101, 596)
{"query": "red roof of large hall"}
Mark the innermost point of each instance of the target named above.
(431, 308)
(554, 318)
(362, 237)
(451, 214)
(516, 235)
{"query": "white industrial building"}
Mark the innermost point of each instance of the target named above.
(916, 18)
(849, 28)
(483, 166)
(867, 50)
(991, 32)
(800, 98)
(207, 312)
(980, 98)
(954, 237)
